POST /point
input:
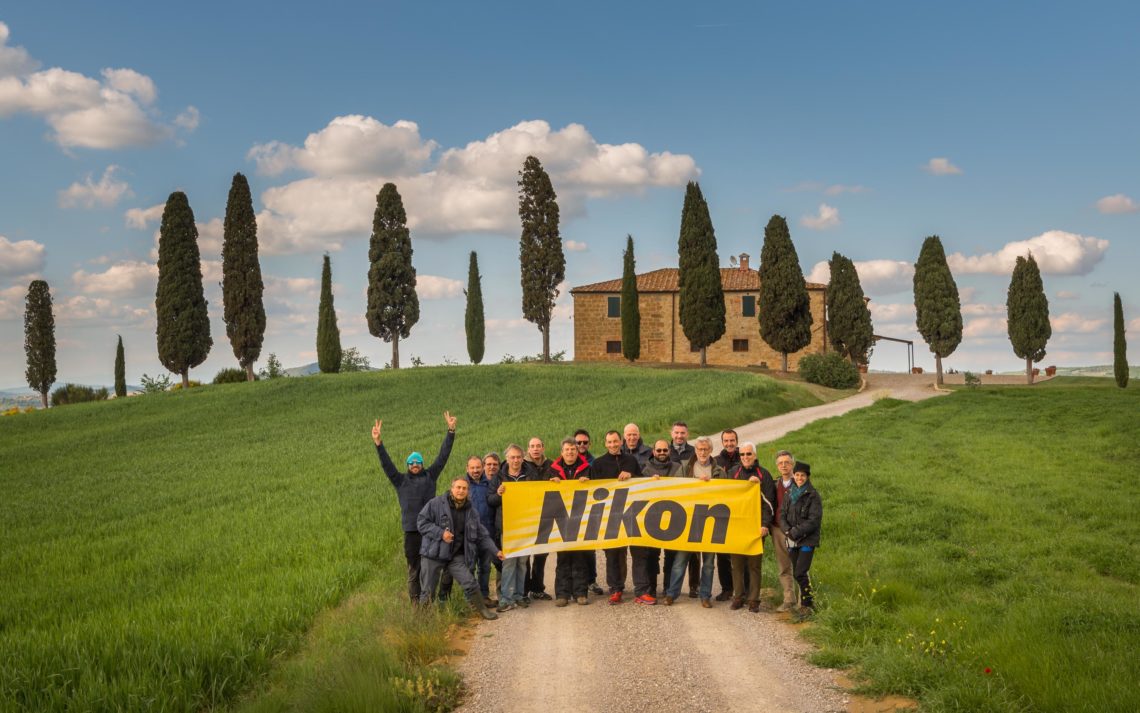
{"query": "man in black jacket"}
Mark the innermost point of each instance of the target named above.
(746, 568)
(538, 466)
(728, 458)
(680, 449)
(570, 572)
(634, 446)
(614, 464)
(647, 560)
(454, 539)
(413, 489)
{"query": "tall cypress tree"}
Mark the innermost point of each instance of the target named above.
(243, 311)
(393, 306)
(784, 308)
(328, 334)
(120, 370)
(1119, 346)
(540, 248)
(473, 319)
(1027, 314)
(183, 323)
(938, 310)
(848, 319)
(630, 309)
(39, 339)
(702, 294)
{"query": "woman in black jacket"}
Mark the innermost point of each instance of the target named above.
(802, 515)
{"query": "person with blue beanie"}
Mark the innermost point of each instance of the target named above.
(414, 488)
(802, 516)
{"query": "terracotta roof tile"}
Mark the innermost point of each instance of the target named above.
(732, 279)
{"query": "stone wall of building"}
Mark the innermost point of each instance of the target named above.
(663, 340)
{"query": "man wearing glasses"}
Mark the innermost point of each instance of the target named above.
(746, 568)
(784, 463)
(582, 441)
(647, 560)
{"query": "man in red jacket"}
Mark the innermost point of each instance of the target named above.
(571, 572)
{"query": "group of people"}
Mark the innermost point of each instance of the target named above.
(456, 536)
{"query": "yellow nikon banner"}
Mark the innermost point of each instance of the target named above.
(673, 513)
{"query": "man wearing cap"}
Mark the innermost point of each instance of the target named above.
(454, 539)
(413, 489)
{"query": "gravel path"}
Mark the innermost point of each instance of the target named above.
(681, 658)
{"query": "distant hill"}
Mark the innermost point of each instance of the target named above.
(310, 369)
(1106, 370)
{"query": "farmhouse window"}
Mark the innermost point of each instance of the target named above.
(694, 349)
(613, 347)
(748, 306)
(739, 345)
(613, 307)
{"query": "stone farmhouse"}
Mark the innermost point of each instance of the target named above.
(597, 321)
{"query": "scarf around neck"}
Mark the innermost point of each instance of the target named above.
(795, 491)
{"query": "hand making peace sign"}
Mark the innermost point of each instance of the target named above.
(376, 432)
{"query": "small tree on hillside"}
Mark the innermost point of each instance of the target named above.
(848, 318)
(328, 334)
(242, 307)
(1027, 314)
(938, 311)
(540, 248)
(473, 319)
(183, 323)
(120, 370)
(784, 307)
(1119, 347)
(39, 339)
(393, 306)
(701, 291)
(630, 308)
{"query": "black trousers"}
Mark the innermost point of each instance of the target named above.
(616, 568)
(571, 574)
(644, 561)
(412, 542)
(536, 574)
(801, 563)
(724, 572)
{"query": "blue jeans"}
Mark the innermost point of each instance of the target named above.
(512, 581)
(681, 565)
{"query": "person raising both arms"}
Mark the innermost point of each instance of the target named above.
(414, 488)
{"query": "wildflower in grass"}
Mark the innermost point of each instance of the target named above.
(988, 670)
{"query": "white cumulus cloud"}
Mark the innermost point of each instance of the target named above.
(1067, 295)
(1074, 323)
(827, 217)
(132, 277)
(20, 257)
(1118, 203)
(941, 167)
(472, 188)
(104, 193)
(433, 287)
(1057, 253)
(140, 218)
(881, 277)
(85, 310)
(575, 246)
(115, 111)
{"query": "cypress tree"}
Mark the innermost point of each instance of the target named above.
(630, 309)
(120, 370)
(1027, 314)
(39, 339)
(243, 311)
(393, 307)
(1119, 347)
(938, 311)
(784, 308)
(540, 248)
(183, 323)
(848, 318)
(702, 294)
(328, 334)
(473, 320)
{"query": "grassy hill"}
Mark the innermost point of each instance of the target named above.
(164, 551)
(981, 552)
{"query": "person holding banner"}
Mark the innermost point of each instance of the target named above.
(454, 539)
(746, 568)
(728, 458)
(802, 517)
(539, 466)
(571, 571)
(512, 579)
(784, 462)
(660, 465)
(614, 464)
(413, 489)
(633, 445)
(702, 467)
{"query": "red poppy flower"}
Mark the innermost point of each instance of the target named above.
(989, 670)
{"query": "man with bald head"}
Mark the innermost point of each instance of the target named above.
(632, 445)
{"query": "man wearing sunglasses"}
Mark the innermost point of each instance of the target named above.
(647, 560)
(746, 568)
(414, 489)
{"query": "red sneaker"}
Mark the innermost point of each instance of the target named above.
(615, 598)
(645, 599)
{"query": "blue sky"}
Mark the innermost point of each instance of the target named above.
(1000, 127)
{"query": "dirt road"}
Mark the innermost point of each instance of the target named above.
(662, 659)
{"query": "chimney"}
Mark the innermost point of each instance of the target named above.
(744, 261)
